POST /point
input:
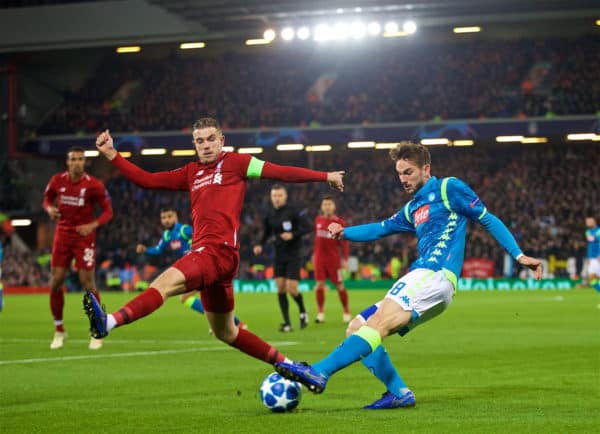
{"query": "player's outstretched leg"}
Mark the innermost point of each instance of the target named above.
(353, 348)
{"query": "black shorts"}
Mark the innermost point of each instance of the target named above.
(288, 268)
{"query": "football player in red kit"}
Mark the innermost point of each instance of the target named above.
(327, 259)
(70, 198)
(216, 184)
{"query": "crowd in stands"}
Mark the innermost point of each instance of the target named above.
(542, 192)
(388, 82)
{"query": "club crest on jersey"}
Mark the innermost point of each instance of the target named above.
(421, 215)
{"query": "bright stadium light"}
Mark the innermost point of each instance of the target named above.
(183, 152)
(129, 49)
(374, 28)
(508, 139)
(322, 32)
(391, 27)
(358, 30)
(340, 31)
(287, 34)
(154, 151)
(269, 35)
(409, 27)
(318, 148)
(386, 145)
(469, 29)
(290, 147)
(228, 148)
(191, 45)
(440, 141)
(125, 154)
(20, 222)
(582, 136)
(257, 42)
(251, 150)
(598, 23)
(303, 33)
(91, 153)
(359, 145)
(463, 142)
(534, 140)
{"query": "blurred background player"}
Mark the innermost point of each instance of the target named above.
(287, 225)
(592, 235)
(6, 230)
(70, 198)
(327, 259)
(177, 237)
(437, 214)
(217, 185)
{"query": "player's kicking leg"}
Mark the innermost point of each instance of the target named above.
(193, 301)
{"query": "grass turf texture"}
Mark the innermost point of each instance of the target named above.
(494, 362)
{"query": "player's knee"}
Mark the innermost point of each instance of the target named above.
(226, 334)
(354, 325)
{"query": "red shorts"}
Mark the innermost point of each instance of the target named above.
(210, 270)
(331, 271)
(72, 245)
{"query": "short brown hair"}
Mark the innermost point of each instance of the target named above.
(206, 123)
(278, 187)
(414, 152)
(327, 197)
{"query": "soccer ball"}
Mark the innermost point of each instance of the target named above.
(279, 394)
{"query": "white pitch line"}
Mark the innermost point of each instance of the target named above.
(139, 341)
(120, 355)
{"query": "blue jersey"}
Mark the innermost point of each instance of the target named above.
(438, 215)
(593, 242)
(178, 239)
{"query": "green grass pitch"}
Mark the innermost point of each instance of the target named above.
(495, 362)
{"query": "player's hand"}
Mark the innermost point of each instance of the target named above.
(257, 250)
(104, 143)
(53, 212)
(336, 231)
(86, 229)
(286, 236)
(140, 248)
(533, 264)
(336, 180)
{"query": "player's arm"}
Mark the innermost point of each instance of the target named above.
(103, 200)
(266, 170)
(461, 198)
(399, 222)
(170, 180)
(49, 201)
(157, 249)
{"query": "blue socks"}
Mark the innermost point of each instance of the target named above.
(354, 348)
(195, 304)
(380, 365)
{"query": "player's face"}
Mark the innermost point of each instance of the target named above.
(328, 208)
(278, 197)
(168, 219)
(75, 163)
(411, 175)
(208, 143)
(590, 222)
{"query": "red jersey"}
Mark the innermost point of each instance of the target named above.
(76, 200)
(326, 248)
(216, 190)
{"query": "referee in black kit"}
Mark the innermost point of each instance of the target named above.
(288, 226)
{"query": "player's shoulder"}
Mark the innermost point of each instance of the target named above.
(91, 179)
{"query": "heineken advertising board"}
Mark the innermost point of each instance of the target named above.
(464, 284)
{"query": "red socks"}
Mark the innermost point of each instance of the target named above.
(57, 303)
(254, 346)
(320, 293)
(343, 294)
(142, 305)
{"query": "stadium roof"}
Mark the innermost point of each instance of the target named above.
(49, 24)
